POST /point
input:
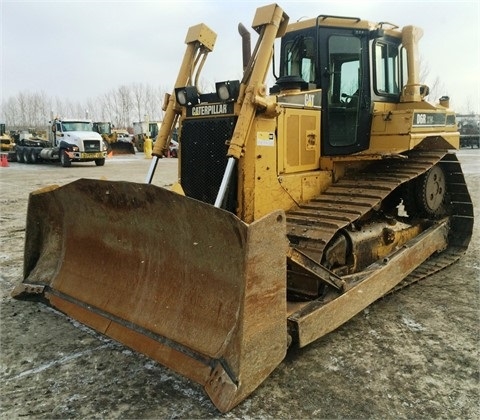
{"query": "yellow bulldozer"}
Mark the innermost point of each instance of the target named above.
(297, 205)
(6, 142)
(115, 144)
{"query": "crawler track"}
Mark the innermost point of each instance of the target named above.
(311, 226)
(461, 224)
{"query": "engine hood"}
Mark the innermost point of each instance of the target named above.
(82, 135)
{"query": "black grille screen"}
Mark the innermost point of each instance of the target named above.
(204, 158)
(92, 145)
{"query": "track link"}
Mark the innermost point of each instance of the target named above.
(461, 224)
(312, 225)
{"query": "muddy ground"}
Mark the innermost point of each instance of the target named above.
(413, 354)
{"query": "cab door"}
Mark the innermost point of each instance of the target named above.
(344, 80)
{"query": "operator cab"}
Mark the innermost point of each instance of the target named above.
(354, 64)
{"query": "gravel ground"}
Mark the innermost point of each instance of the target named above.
(413, 354)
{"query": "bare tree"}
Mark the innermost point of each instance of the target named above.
(437, 90)
(153, 104)
(124, 106)
(106, 107)
(120, 106)
(68, 109)
(138, 101)
(26, 110)
(424, 70)
(10, 112)
(94, 109)
(40, 110)
(22, 106)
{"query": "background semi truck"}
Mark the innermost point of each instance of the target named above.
(69, 140)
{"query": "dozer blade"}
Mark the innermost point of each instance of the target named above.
(185, 283)
(122, 148)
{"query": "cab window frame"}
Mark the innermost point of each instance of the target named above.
(389, 76)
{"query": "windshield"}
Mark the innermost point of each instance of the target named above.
(77, 126)
(102, 128)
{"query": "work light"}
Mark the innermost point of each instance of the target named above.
(228, 90)
(187, 96)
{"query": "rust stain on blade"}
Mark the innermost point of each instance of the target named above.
(132, 250)
(185, 283)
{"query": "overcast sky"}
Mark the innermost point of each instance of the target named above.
(78, 50)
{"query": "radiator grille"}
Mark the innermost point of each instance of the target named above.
(92, 145)
(204, 158)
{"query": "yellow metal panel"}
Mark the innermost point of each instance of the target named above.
(292, 129)
(263, 188)
(389, 143)
(338, 22)
(302, 187)
(258, 171)
(201, 33)
(299, 142)
(266, 15)
(269, 195)
(396, 128)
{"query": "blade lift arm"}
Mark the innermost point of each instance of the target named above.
(270, 22)
(200, 41)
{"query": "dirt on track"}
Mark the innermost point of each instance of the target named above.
(412, 354)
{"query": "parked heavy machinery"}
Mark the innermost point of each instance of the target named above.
(295, 208)
(6, 141)
(469, 133)
(69, 140)
(143, 130)
(110, 136)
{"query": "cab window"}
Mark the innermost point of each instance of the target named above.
(300, 58)
(388, 78)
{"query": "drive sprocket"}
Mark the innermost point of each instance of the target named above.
(430, 192)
